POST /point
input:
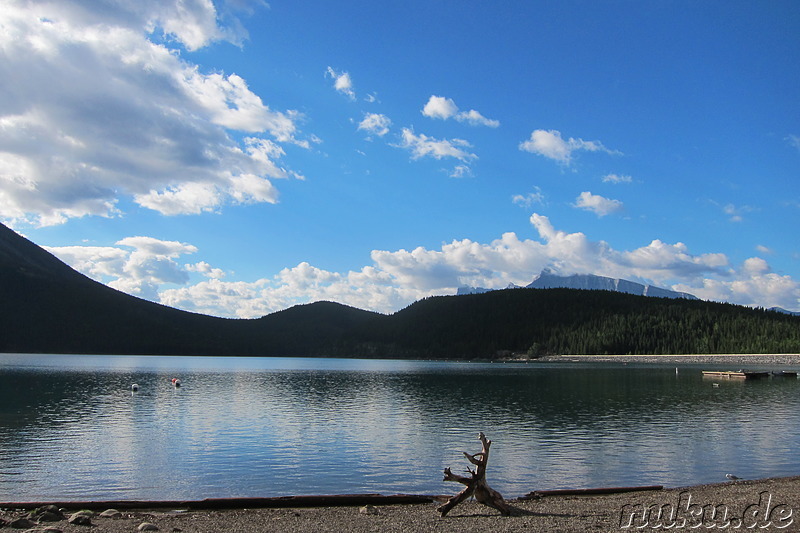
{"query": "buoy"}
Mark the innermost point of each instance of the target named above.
(134, 387)
(176, 382)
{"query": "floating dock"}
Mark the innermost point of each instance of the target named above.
(734, 374)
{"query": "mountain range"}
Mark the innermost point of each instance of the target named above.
(549, 280)
(47, 307)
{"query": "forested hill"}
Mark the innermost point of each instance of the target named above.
(46, 307)
(572, 321)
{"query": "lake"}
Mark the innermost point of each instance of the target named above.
(71, 428)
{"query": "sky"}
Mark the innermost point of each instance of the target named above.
(237, 157)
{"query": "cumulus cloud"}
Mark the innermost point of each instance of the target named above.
(423, 146)
(445, 108)
(206, 269)
(375, 124)
(753, 284)
(662, 261)
(440, 107)
(139, 265)
(148, 267)
(342, 82)
(94, 108)
(597, 204)
(550, 144)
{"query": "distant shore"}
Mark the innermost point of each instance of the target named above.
(727, 359)
(760, 505)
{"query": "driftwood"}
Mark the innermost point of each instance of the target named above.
(237, 503)
(538, 494)
(475, 484)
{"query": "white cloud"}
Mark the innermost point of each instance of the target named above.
(764, 249)
(793, 140)
(342, 82)
(527, 200)
(375, 124)
(461, 171)
(184, 198)
(597, 204)
(423, 146)
(206, 269)
(97, 262)
(140, 272)
(445, 108)
(736, 213)
(617, 178)
(231, 104)
(661, 261)
(752, 285)
(474, 118)
(550, 144)
(395, 279)
(93, 110)
(440, 107)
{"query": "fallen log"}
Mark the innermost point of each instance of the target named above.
(238, 503)
(476, 484)
(536, 494)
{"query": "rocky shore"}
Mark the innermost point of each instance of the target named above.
(755, 505)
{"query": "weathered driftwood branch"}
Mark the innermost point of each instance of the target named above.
(475, 484)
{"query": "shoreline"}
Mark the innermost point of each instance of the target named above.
(732, 359)
(771, 504)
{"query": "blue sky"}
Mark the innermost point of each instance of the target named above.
(236, 158)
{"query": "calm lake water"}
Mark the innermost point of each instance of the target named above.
(72, 429)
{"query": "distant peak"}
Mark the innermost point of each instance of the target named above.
(548, 279)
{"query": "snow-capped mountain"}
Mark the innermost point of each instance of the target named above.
(548, 280)
(785, 311)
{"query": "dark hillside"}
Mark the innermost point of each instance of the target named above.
(318, 329)
(572, 321)
(47, 307)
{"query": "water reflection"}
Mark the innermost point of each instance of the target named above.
(72, 428)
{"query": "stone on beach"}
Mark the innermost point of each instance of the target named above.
(46, 513)
(81, 518)
(22, 523)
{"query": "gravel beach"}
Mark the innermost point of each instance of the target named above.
(761, 505)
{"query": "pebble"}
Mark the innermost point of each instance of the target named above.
(368, 509)
(147, 526)
(111, 513)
